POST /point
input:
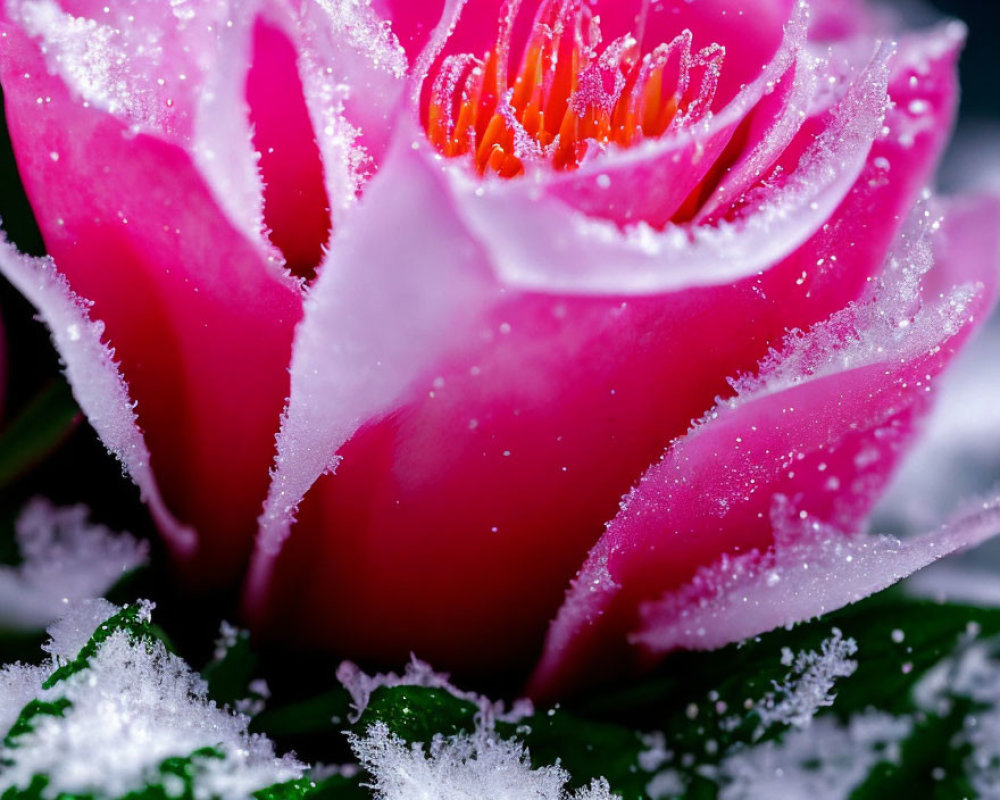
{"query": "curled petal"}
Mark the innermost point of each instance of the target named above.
(183, 83)
(812, 571)
(97, 382)
(199, 318)
(823, 425)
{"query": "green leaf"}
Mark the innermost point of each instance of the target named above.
(586, 749)
(324, 714)
(37, 431)
(180, 777)
(133, 619)
(417, 713)
(336, 787)
(930, 765)
(229, 677)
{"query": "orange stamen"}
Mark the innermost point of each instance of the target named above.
(565, 99)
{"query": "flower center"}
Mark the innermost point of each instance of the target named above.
(569, 100)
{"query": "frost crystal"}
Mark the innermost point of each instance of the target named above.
(19, 684)
(807, 688)
(65, 558)
(462, 767)
(130, 707)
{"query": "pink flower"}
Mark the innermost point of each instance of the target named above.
(258, 206)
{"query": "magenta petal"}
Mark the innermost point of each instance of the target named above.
(200, 320)
(834, 410)
(296, 207)
(375, 322)
(838, 20)
(767, 131)
(810, 571)
(650, 181)
(159, 74)
(97, 382)
(353, 75)
(750, 30)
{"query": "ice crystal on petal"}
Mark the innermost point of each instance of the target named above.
(97, 382)
(65, 558)
(463, 767)
(811, 569)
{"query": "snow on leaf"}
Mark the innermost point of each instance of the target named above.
(418, 673)
(462, 767)
(125, 714)
(65, 559)
(19, 684)
(972, 673)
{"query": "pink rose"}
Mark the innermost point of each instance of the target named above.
(291, 219)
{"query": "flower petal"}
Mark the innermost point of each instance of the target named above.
(353, 74)
(650, 181)
(374, 322)
(177, 75)
(835, 409)
(97, 382)
(200, 321)
(558, 250)
(296, 206)
(814, 572)
(559, 400)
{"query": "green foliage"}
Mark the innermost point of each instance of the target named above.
(702, 706)
(229, 677)
(133, 619)
(323, 714)
(37, 431)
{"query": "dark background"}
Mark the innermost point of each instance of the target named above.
(981, 60)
